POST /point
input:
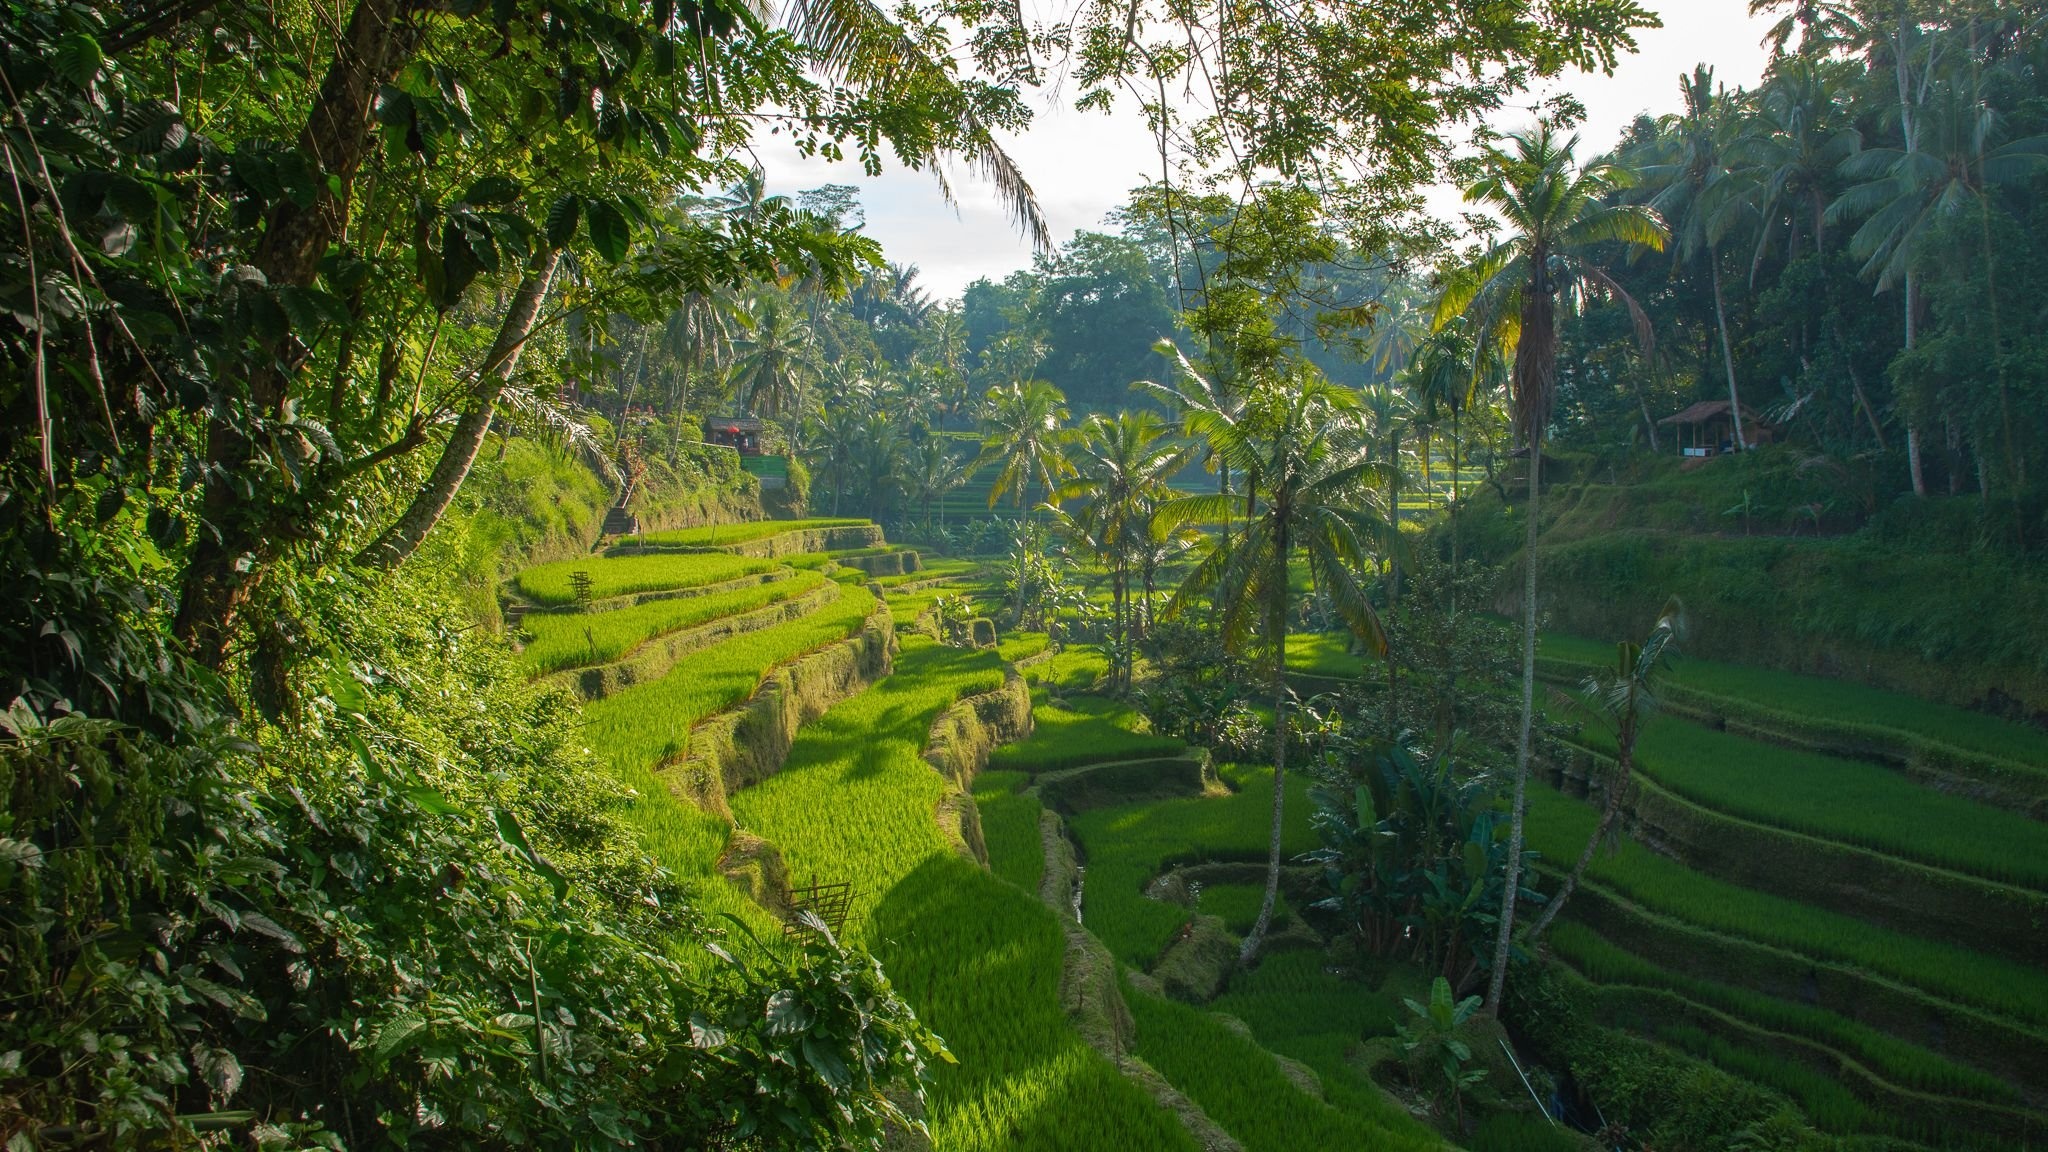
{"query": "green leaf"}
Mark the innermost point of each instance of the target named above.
(787, 1014)
(78, 59)
(823, 1060)
(560, 224)
(608, 231)
(392, 1038)
(513, 837)
(492, 190)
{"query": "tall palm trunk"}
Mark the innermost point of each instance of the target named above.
(1609, 812)
(1504, 943)
(1913, 425)
(404, 537)
(1727, 354)
(1257, 938)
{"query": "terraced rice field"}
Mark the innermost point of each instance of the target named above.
(719, 535)
(549, 584)
(1848, 801)
(579, 639)
(979, 958)
(650, 723)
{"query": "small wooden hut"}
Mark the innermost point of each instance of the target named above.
(740, 433)
(1708, 428)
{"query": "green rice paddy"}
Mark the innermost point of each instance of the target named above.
(549, 584)
(1559, 826)
(650, 723)
(1009, 828)
(1084, 730)
(719, 535)
(577, 639)
(1849, 801)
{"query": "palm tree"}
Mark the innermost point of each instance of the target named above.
(935, 470)
(776, 361)
(1023, 429)
(1292, 437)
(1120, 465)
(1697, 191)
(1623, 699)
(1202, 402)
(1787, 154)
(1556, 210)
(1951, 165)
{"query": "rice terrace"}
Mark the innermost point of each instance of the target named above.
(955, 577)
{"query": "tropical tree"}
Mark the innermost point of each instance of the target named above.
(1306, 477)
(1023, 429)
(935, 471)
(1698, 194)
(1622, 698)
(1119, 466)
(1557, 211)
(777, 360)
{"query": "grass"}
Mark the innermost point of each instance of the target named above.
(718, 535)
(573, 640)
(1022, 645)
(548, 584)
(1845, 800)
(1558, 828)
(1009, 828)
(1827, 1104)
(979, 959)
(649, 724)
(1240, 1087)
(1075, 668)
(1128, 845)
(1084, 730)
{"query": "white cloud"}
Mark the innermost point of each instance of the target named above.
(1082, 164)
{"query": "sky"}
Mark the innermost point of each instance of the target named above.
(1082, 164)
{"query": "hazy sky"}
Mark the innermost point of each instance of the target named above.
(1082, 164)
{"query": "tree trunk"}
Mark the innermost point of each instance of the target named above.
(1912, 425)
(1727, 354)
(1503, 944)
(403, 538)
(337, 137)
(1253, 942)
(1623, 773)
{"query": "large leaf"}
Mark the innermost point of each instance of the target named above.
(562, 215)
(609, 233)
(513, 837)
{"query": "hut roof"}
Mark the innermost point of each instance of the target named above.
(1704, 411)
(736, 423)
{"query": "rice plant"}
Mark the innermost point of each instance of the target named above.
(1324, 654)
(1521, 1132)
(1009, 828)
(577, 639)
(980, 959)
(1084, 730)
(550, 584)
(1833, 702)
(1129, 845)
(1559, 825)
(718, 535)
(1893, 1059)
(1241, 1087)
(1845, 800)
(649, 724)
(1238, 906)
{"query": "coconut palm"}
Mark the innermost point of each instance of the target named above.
(1120, 466)
(1292, 442)
(1786, 156)
(1698, 194)
(1555, 211)
(1952, 164)
(776, 361)
(935, 471)
(1024, 426)
(1623, 699)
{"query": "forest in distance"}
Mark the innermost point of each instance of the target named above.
(521, 632)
